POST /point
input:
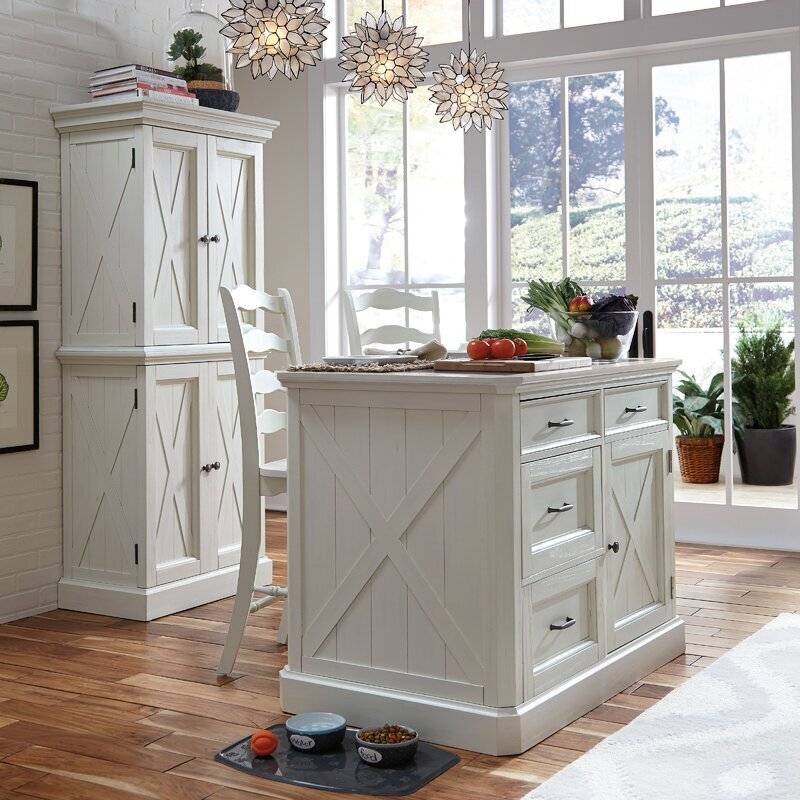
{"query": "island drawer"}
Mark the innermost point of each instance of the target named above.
(634, 406)
(561, 510)
(558, 420)
(560, 630)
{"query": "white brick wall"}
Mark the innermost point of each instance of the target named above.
(48, 49)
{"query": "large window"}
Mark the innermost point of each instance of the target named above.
(404, 194)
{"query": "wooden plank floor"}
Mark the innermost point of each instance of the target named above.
(97, 707)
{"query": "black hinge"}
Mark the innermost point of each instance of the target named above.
(133, 158)
(134, 313)
(669, 461)
(672, 587)
(136, 398)
(136, 554)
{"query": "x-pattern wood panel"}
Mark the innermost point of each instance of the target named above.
(173, 274)
(105, 467)
(387, 527)
(153, 713)
(233, 213)
(229, 493)
(104, 256)
(628, 508)
(174, 431)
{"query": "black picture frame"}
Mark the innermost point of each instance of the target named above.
(34, 187)
(34, 325)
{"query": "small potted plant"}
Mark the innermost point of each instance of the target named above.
(205, 79)
(763, 385)
(699, 416)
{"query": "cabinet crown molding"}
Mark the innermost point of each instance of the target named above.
(143, 111)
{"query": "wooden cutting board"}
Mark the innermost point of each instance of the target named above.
(512, 364)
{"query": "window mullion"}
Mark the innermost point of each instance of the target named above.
(564, 175)
(726, 299)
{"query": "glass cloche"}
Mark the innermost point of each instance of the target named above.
(196, 51)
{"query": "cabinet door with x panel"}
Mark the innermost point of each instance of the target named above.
(639, 556)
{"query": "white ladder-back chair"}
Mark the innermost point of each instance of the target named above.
(387, 300)
(260, 478)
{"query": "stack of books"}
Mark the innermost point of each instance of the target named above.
(136, 80)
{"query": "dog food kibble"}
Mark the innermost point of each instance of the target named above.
(387, 734)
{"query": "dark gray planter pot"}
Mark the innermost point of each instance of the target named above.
(767, 457)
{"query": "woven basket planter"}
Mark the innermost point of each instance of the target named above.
(699, 458)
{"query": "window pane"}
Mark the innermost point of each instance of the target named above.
(452, 317)
(535, 149)
(375, 193)
(435, 196)
(436, 20)
(757, 305)
(690, 328)
(597, 177)
(591, 12)
(758, 107)
(524, 16)
(687, 171)
(356, 9)
(676, 6)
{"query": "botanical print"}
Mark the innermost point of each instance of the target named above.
(8, 227)
(8, 382)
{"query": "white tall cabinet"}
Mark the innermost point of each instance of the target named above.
(161, 206)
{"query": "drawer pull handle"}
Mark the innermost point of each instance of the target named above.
(635, 409)
(565, 423)
(560, 509)
(209, 467)
(614, 546)
(564, 625)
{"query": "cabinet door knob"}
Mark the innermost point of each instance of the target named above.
(214, 238)
(568, 623)
(565, 423)
(635, 409)
(204, 238)
(209, 467)
(560, 509)
(614, 546)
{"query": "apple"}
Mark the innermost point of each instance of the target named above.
(581, 302)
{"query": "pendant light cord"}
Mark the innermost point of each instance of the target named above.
(469, 28)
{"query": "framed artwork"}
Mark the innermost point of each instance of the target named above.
(19, 386)
(19, 213)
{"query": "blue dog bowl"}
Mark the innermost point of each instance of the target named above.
(315, 731)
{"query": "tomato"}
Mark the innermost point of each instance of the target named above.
(478, 349)
(503, 348)
(520, 347)
(490, 341)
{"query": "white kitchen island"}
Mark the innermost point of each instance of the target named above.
(482, 557)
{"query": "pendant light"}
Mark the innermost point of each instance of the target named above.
(469, 91)
(383, 58)
(275, 36)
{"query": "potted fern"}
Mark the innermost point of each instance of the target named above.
(763, 386)
(699, 416)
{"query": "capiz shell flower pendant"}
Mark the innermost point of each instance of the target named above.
(469, 91)
(272, 36)
(383, 58)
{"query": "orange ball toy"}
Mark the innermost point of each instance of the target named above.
(263, 743)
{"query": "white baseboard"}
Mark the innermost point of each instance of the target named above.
(31, 612)
(737, 526)
(132, 602)
(483, 729)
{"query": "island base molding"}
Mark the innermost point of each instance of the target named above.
(493, 731)
(145, 604)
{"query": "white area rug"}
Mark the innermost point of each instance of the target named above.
(730, 733)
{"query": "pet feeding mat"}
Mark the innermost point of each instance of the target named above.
(340, 770)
